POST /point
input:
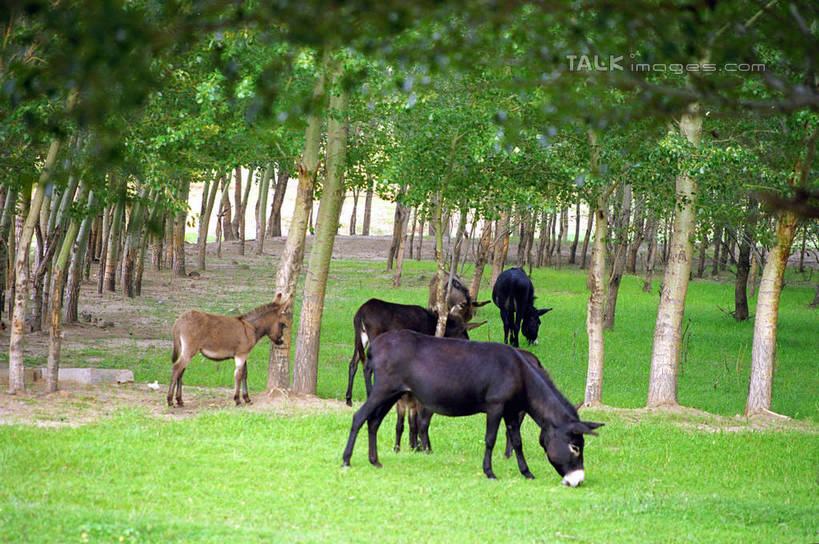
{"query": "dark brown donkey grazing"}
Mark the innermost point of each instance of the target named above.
(220, 337)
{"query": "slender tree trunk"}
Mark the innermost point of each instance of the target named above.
(396, 232)
(638, 231)
(651, 258)
(717, 249)
(662, 387)
(275, 224)
(481, 257)
(261, 208)
(584, 250)
(573, 251)
(242, 213)
(57, 283)
(133, 233)
(110, 279)
(741, 312)
(180, 221)
(619, 260)
(107, 215)
(75, 269)
(763, 350)
(802, 250)
(752, 274)
(411, 241)
(290, 263)
(703, 249)
(460, 236)
(237, 201)
(402, 244)
(501, 247)
(543, 238)
(368, 206)
(225, 211)
(596, 283)
(208, 201)
(21, 272)
(353, 213)
(305, 367)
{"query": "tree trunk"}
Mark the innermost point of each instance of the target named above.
(236, 220)
(573, 251)
(501, 247)
(662, 387)
(110, 279)
(402, 244)
(703, 249)
(353, 213)
(752, 274)
(595, 282)
(58, 280)
(305, 367)
(638, 230)
(420, 246)
(619, 260)
(396, 232)
(180, 222)
(480, 258)
(133, 233)
(21, 271)
(741, 312)
(717, 249)
(79, 250)
(107, 215)
(289, 268)
(543, 238)
(651, 258)
(460, 236)
(411, 241)
(208, 201)
(368, 205)
(763, 351)
(261, 208)
(225, 211)
(242, 214)
(275, 224)
(583, 252)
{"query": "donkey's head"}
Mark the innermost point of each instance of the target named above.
(271, 319)
(564, 449)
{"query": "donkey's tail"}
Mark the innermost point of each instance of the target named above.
(176, 347)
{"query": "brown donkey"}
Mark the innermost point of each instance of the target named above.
(220, 337)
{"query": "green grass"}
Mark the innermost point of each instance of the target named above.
(261, 478)
(232, 474)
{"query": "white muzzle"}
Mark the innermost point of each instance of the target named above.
(574, 478)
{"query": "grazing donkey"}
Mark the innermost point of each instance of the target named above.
(220, 337)
(455, 377)
(514, 294)
(459, 301)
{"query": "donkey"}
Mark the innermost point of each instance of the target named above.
(459, 299)
(377, 316)
(455, 377)
(220, 337)
(514, 295)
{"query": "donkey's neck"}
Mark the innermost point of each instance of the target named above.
(545, 403)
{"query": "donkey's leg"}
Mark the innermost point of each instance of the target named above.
(373, 422)
(237, 377)
(362, 415)
(413, 425)
(424, 417)
(351, 376)
(400, 410)
(245, 394)
(493, 417)
(508, 452)
(505, 319)
(513, 437)
(176, 378)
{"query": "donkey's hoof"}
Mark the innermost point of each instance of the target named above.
(349, 402)
(248, 401)
(397, 448)
(180, 403)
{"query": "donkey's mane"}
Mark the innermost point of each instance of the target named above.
(260, 312)
(542, 374)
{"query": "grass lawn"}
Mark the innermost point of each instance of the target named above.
(268, 477)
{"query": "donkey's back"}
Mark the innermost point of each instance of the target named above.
(218, 337)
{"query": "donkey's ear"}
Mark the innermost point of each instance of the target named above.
(578, 406)
(470, 326)
(584, 427)
(543, 311)
(458, 309)
(479, 304)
